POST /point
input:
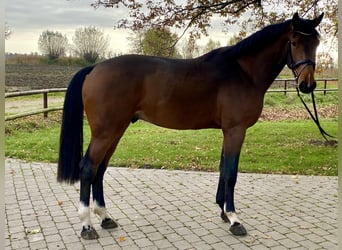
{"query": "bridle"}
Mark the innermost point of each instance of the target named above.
(293, 66)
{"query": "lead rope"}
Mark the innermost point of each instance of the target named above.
(315, 117)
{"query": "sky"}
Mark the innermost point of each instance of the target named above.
(28, 19)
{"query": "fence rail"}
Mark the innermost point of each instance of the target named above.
(282, 86)
(45, 110)
(290, 82)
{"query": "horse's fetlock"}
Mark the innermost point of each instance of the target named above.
(84, 214)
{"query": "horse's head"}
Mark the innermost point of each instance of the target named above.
(302, 51)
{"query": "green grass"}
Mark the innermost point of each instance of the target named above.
(289, 147)
(293, 147)
(291, 100)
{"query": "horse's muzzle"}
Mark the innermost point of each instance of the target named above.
(304, 88)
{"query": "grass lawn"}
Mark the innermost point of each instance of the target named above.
(288, 147)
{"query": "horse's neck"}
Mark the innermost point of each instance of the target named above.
(266, 65)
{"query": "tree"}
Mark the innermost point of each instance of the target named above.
(234, 40)
(52, 44)
(325, 60)
(156, 42)
(90, 43)
(159, 42)
(210, 45)
(190, 49)
(136, 42)
(196, 16)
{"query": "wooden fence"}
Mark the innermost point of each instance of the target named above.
(279, 86)
(284, 85)
(45, 110)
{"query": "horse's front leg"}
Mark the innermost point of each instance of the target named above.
(233, 140)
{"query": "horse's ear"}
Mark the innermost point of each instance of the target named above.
(295, 20)
(318, 20)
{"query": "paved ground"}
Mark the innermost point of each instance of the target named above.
(159, 209)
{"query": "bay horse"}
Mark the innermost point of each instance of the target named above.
(222, 89)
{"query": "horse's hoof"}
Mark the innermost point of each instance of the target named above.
(108, 223)
(238, 230)
(89, 233)
(224, 217)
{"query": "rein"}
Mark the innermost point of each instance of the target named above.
(293, 65)
(315, 116)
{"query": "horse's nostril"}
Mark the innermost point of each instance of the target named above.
(304, 88)
(314, 84)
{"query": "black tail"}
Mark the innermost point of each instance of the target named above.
(71, 139)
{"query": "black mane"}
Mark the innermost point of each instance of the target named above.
(259, 40)
(253, 43)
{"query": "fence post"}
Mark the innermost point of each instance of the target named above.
(45, 97)
(285, 87)
(325, 87)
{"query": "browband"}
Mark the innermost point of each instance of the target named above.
(302, 33)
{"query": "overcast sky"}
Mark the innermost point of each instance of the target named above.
(28, 19)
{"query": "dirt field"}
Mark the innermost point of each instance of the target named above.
(20, 77)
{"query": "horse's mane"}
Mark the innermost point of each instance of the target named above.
(251, 44)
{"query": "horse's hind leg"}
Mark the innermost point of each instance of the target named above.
(86, 178)
(95, 162)
(99, 203)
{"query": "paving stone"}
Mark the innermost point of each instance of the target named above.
(173, 237)
(74, 246)
(328, 245)
(280, 248)
(38, 245)
(310, 245)
(153, 236)
(163, 244)
(143, 242)
(295, 237)
(160, 209)
(192, 238)
(315, 238)
(56, 246)
(289, 243)
(210, 239)
(182, 245)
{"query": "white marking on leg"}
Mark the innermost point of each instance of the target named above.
(100, 211)
(84, 214)
(231, 216)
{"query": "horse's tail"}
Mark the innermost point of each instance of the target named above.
(71, 137)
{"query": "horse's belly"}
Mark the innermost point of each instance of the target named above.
(179, 118)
